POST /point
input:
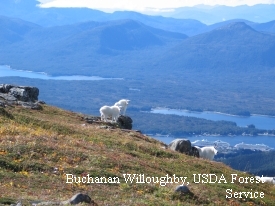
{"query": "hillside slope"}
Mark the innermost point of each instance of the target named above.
(40, 147)
(233, 47)
(84, 48)
(13, 29)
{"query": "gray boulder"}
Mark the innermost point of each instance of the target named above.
(182, 189)
(31, 105)
(20, 93)
(181, 145)
(2, 104)
(7, 97)
(79, 198)
(194, 152)
(90, 119)
(4, 88)
(125, 122)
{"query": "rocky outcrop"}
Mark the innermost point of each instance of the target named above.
(180, 145)
(91, 119)
(21, 93)
(79, 198)
(25, 96)
(183, 189)
(194, 152)
(184, 146)
(125, 122)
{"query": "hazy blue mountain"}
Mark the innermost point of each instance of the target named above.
(122, 35)
(128, 42)
(62, 16)
(234, 47)
(212, 14)
(30, 11)
(17, 25)
(186, 26)
(268, 27)
(223, 23)
(117, 35)
(57, 33)
(200, 14)
(86, 45)
(13, 29)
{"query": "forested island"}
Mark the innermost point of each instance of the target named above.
(181, 125)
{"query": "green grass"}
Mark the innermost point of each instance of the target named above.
(38, 149)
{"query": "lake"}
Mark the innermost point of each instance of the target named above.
(261, 122)
(6, 71)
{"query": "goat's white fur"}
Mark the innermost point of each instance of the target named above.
(266, 179)
(207, 152)
(123, 103)
(109, 111)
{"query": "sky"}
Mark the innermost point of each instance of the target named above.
(145, 5)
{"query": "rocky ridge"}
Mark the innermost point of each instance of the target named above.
(25, 96)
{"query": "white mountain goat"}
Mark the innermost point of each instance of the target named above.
(109, 111)
(207, 152)
(266, 179)
(123, 103)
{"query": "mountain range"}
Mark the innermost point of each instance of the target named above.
(231, 61)
(234, 45)
(187, 20)
(213, 14)
(87, 42)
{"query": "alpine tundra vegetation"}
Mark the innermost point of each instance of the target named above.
(43, 151)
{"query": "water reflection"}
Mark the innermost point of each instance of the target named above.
(6, 71)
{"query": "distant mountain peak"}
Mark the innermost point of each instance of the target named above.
(127, 22)
(237, 25)
(234, 29)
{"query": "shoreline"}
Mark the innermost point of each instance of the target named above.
(46, 76)
(210, 135)
(214, 112)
